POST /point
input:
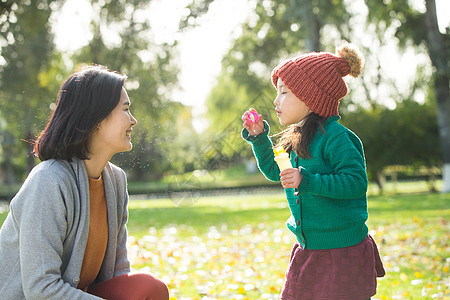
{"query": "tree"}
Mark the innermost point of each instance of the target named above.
(152, 77)
(406, 135)
(420, 28)
(27, 55)
(31, 71)
(278, 29)
(282, 28)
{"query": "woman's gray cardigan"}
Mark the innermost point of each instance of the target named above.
(43, 238)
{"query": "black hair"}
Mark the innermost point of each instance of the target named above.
(298, 137)
(84, 100)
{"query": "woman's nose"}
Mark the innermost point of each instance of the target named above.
(133, 120)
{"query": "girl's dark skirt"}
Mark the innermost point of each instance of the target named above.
(340, 274)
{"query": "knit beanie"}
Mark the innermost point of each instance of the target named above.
(316, 78)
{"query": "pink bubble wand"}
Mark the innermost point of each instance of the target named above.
(252, 117)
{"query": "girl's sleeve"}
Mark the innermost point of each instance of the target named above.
(349, 178)
(42, 221)
(263, 150)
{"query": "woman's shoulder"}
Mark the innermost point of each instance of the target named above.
(53, 170)
(113, 169)
(116, 174)
(115, 180)
(49, 178)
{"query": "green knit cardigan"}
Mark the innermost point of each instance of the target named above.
(330, 209)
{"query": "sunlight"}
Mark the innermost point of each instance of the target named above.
(200, 49)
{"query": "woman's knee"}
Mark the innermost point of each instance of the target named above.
(151, 287)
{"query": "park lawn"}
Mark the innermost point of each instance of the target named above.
(237, 247)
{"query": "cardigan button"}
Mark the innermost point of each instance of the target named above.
(297, 200)
(76, 280)
(298, 222)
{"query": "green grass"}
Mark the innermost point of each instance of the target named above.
(235, 177)
(237, 247)
(223, 247)
(412, 232)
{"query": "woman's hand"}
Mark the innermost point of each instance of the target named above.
(291, 178)
(253, 128)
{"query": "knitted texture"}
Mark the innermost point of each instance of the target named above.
(316, 78)
(330, 210)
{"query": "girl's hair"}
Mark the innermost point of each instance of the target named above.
(298, 137)
(84, 100)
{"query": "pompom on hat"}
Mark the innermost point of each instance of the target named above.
(316, 78)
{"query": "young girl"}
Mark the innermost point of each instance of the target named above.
(334, 257)
(65, 235)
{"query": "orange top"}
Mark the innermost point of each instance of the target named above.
(98, 234)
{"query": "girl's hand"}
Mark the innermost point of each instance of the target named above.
(253, 128)
(291, 178)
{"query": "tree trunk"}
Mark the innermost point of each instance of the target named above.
(314, 26)
(380, 180)
(438, 55)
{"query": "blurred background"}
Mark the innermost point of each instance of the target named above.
(194, 67)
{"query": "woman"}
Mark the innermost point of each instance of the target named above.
(65, 235)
